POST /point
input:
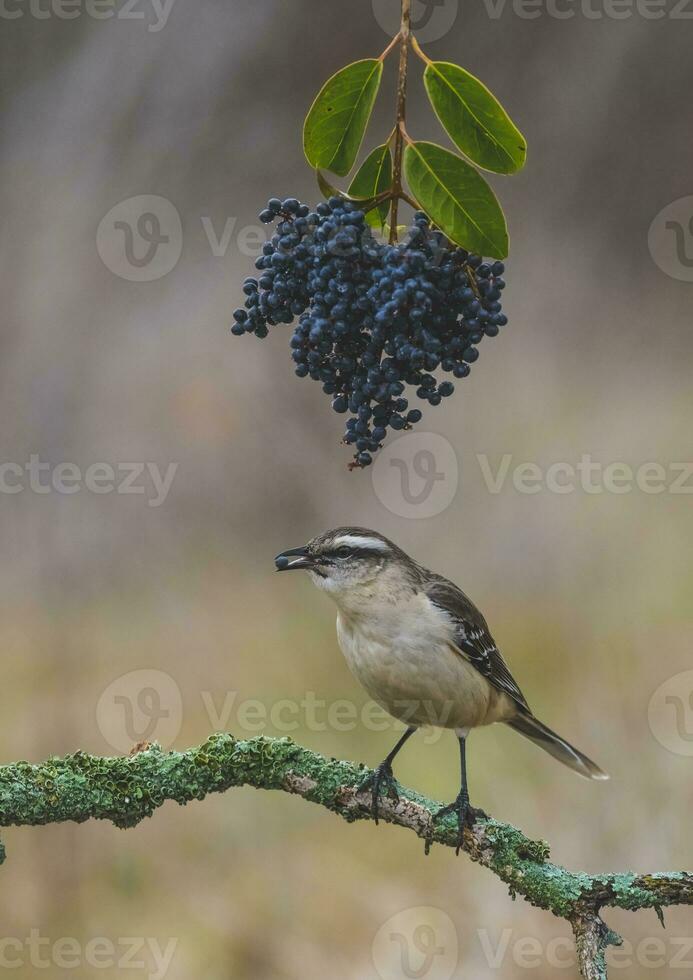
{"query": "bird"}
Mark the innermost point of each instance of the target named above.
(422, 651)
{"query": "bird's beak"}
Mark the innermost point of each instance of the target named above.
(296, 558)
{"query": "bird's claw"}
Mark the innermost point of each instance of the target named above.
(467, 816)
(381, 776)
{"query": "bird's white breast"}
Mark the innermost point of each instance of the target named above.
(403, 655)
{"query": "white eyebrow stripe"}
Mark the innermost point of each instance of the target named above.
(354, 541)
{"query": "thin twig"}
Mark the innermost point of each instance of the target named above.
(405, 36)
(389, 48)
(417, 49)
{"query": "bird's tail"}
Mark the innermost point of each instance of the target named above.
(533, 729)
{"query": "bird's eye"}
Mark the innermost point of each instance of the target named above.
(343, 552)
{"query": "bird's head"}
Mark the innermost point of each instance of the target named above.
(344, 561)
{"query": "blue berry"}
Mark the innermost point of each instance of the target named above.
(372, 319)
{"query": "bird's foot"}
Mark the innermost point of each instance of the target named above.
(381, 777)
(467, 816)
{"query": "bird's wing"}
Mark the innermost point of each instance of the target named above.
(472, 636)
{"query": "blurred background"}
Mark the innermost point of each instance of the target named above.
(138, 593)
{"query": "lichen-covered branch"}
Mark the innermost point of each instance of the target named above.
(125, 790)
(592, 939)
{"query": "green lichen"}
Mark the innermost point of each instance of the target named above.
(127, 790)
(509, 841)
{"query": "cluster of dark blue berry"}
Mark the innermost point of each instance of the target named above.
(372, 318)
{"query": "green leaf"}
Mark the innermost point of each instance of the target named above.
(337, 120)
(372, 178)
(329, 190)
(457, 199)
(474, 119)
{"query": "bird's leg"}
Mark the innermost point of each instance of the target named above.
(382, 775)
(466, 814)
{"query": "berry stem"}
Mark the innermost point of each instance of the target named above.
(380, 199)
(410, 200)
(416, 48)
(404, 134)
(389, 48)
(405, 37)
